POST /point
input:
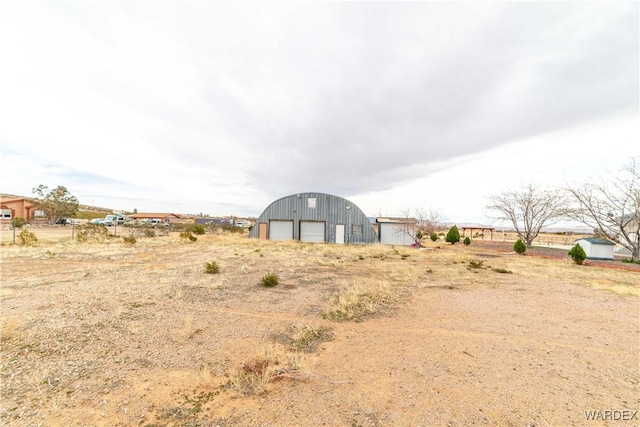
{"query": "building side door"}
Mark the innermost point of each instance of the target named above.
(340, 234)
(262, 231)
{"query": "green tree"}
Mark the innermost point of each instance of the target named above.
(56, 203)
(577, 254)
(453, 235)
(520, 247)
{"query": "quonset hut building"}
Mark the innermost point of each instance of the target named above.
(314, 217)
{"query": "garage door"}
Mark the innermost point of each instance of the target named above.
(280, 230)
(311, 231)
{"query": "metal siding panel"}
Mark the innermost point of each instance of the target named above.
(394, 234)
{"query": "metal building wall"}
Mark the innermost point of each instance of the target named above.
(393, 233)
(329, 208)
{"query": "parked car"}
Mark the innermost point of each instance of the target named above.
(115, 219)
(97, 221)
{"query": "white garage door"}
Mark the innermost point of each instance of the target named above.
(311, 231)
(280, 230)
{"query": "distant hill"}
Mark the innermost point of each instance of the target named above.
(83, 208)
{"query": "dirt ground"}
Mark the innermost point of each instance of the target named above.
(110, 334)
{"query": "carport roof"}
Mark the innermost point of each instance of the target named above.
(397, 220)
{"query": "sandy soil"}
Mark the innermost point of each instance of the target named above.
(111, 334)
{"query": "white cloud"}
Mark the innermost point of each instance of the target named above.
(222, 107)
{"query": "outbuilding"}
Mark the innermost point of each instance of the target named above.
(397, 231)
(314, 217)
(597, 248)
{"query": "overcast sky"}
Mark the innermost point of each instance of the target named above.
(221, 108)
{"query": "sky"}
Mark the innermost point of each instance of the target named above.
(220, 108)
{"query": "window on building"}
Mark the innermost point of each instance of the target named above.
(311, 202)
(39, 214)
(356, 228)
(6, 213)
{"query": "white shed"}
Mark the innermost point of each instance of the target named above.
(597, 248)
(397, 231)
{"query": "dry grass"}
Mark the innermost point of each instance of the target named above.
(256, 374)
(304, 337)
(99, 316)
(11, 329)
(357, 301)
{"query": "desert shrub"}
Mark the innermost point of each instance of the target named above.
(27, 238)
(232, 228)
(269, 280)
(188, 235)
(502, 270)
(453, 235)
(476, 264)
(577, 254)
(434, 237)
(19, 222)
(466, 241)
(519, 247)
(129, 240)
(212, 268)
(149, 232)
(305, 338)
(253, 377)
(196, 229)
(93, 232)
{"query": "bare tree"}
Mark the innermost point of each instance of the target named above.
(612, 207)
(529, 209)
(410, 224)
(419, 222)
(431, 221)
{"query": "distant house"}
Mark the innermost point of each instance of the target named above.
(17, 208)
(164, 217)
(397, 231)
(597, 248)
